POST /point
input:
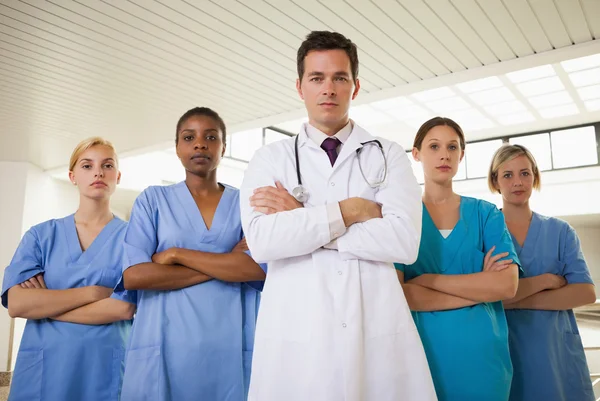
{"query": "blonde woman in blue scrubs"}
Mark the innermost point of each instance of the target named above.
(466, 266)
(546, 350)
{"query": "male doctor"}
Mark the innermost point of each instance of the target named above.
(333, 324)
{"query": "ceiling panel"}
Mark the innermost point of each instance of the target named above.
(503, 22)
(456, 22)
(481, 24)
(551, 22)
(127, 69)
(443, 33)
(573, 18)
(528, 23)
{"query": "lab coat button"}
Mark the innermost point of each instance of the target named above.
(344, 325)
(332, 184)
(339, 272)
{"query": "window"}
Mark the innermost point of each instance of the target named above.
(479, 156)
(574, 147)
(539, 146)
(461, 174)
(273, 136)
(416, 167)
(244, 144)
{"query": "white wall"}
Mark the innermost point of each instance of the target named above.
(590, 241)
(13, 180)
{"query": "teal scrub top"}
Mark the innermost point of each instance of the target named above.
(467, 348)
(546, 349)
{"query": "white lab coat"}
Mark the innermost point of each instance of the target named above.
(334, 325)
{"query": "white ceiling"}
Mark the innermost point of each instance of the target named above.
(126, 70)
(532, 99)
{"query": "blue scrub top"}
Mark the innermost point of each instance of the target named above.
(546, 349)
(60, 360)
(193, 343)
(467, 348)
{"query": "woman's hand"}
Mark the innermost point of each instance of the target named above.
(493, 264)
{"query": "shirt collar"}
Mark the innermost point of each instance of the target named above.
(317, 136)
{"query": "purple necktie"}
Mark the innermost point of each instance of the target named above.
(330, 145)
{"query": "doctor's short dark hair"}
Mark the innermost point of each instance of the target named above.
(201, 112)
(325, 40)
(435, 122)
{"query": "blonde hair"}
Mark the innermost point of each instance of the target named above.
(506, 153)
(85, 145)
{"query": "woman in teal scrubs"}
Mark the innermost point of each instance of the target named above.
(546, 350)
(466, 266)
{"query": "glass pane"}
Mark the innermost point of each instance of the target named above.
(479, 156)
(228, 147)
(574, 147)
(244, 144)
(273, 136)
(461, 174)
(417, 168)
(539, 146)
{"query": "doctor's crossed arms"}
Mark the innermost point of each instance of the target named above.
(270, 200)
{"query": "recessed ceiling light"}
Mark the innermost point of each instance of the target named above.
(480, 84)
(433, 94)
(472, 120)
(589, 92)
(540, 86)
(585, 78)
(531, 73)
(516, 118)
(581, 63)
(593, 105)
(414, 111)
(392, 104)
(559, 111)
(513, 106)
(492, 96)
(448, 105)
(366, 115)
(550, 99)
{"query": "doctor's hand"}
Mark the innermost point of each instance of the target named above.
(36, 281)
(166, 257)
(358, 210)
(270, 200)
(492, 264)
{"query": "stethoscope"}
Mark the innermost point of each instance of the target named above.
(301, 194)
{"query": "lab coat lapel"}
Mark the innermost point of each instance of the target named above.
(312, 158)
(356, 138)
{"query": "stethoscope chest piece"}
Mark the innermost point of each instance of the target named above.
(300, 193)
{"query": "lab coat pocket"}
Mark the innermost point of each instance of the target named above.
(384, 307)
(141, 379)
(27, 379)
